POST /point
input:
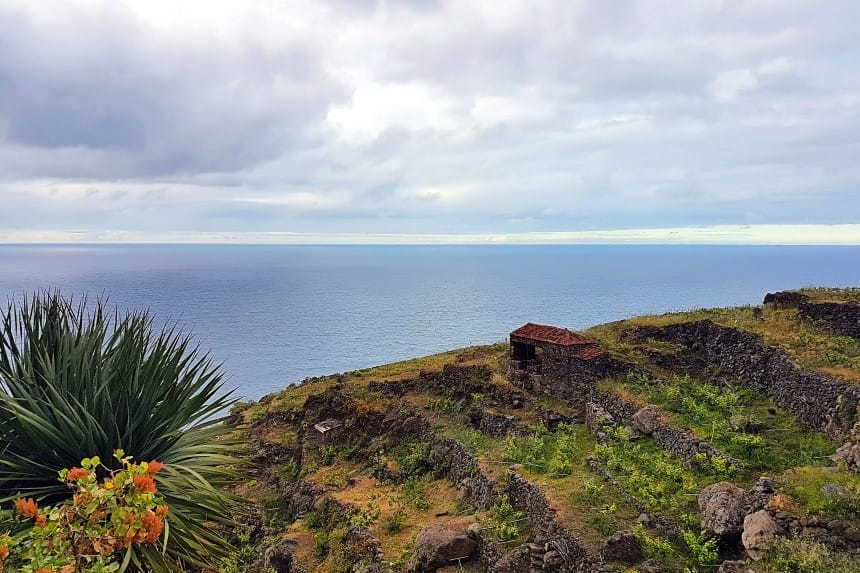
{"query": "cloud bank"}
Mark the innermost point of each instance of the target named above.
(429, 118)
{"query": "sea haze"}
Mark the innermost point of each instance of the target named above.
(278, 314)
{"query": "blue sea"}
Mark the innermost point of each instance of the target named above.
(277, 314)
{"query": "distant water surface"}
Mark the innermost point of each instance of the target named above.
(276, 315)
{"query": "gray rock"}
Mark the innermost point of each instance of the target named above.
(474, 530)
(437, 545)
(723, 506)
(596, 416)
(647, 419)
(759, 531)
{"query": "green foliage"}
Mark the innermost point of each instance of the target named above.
(366, 516)
(444, 405)
(703, 547)
(653, 475)
(801, 556)
(604, 520)
(322, 544)
(506, 519)
(740, 422)
(88, 534)
(558, 453)
(592, 491)
(411, 456)
(654, 546)
(77, 380)
(805, 485)
(327, 454)
(415, 493)
(322, 518)
(394, 522)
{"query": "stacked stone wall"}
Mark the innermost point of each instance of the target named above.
(818, 400)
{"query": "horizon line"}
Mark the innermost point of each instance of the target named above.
(771, 234)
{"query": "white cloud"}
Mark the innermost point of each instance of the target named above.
(434, 117)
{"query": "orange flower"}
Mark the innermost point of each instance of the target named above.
(41, 520)
(75, 474)
(4, 552)
(154, 467)
(144, 484)
(152, 527)
(161, 511)
(27, 507)
(43, 570)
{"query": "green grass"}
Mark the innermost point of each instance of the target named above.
(823, 294)
(804, 485)
(809, 346)
(743, 423)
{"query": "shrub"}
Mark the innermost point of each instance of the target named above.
(102, 521)
(604, 520)
(78, 380)
(703, 547)
(653, 546)
(394, 522)
(506, 519)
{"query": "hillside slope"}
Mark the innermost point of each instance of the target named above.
(704, 441)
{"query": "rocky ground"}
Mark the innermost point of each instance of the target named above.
(716, 440)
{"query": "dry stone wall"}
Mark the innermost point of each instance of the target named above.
(559, 550)
(818, 400)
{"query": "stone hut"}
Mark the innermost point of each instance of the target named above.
(556, 361)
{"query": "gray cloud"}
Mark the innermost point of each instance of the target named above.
(426, 116)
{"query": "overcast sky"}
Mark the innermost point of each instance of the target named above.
(493, 119)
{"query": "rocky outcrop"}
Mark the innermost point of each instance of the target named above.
(440, 546)
(818, 400)
(758, 534)
(723, 507)
(785, 298)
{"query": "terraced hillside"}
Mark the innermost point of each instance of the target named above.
(706, 441)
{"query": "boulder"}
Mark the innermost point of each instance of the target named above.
(849, 453)
(623, 547)
(437, 545)
(647, 419)
(759, 531)
(723, 506)
(279, 557)
(596, 416)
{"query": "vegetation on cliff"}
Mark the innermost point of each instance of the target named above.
(357, 496)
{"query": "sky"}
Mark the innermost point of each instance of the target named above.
(430, 121)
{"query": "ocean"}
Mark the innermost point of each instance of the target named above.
(277, 314)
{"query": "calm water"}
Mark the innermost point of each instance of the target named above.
(276, 315)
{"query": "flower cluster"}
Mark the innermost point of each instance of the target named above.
(102, 518)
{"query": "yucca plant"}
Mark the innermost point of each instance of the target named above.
(79, 379)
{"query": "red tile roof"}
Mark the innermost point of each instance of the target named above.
(553, 334)
(589, 352)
